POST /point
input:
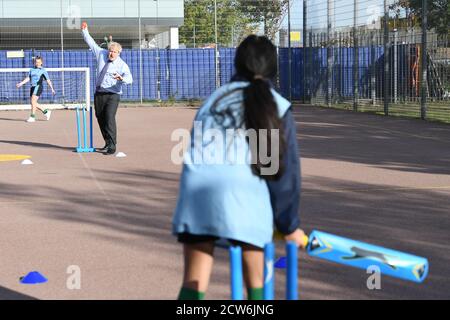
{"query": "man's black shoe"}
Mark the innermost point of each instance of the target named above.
(106, 147)
(109, 151)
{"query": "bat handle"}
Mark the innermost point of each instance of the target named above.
(305, 241)
(277, 235)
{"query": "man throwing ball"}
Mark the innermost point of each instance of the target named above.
(112, 73)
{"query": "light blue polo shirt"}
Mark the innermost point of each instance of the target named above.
(109, 83)
(37, 75)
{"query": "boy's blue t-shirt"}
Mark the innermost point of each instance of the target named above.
(37, 75)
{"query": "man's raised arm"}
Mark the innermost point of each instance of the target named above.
(88, 39)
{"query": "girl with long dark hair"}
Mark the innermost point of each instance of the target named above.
(220, 197)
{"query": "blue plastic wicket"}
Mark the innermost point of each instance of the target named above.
(291, 272)
(84, 125)
(269, 272)
(91, 130)
(83, 137)
(237, 282)
(78, 128)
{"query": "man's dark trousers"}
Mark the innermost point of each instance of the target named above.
(106, 105)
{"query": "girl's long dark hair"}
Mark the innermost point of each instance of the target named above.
(256, 61)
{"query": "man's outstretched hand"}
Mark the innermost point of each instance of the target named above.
(84, 25)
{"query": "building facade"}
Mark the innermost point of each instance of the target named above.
(52, 24)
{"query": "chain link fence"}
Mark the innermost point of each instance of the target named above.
(171, 60)
(386, 62)
(358, 73)
(378, 56)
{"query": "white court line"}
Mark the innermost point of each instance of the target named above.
(97, 183)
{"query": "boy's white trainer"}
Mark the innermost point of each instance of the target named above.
(48, 114)
(31, 119)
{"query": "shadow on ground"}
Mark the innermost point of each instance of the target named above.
(390, 143)
(412, 221)
(7, 294)
(140, 203)
(36, 145)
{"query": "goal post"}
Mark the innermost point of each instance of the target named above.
(73, 82)
(72, 87)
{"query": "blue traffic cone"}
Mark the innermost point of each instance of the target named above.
(281, 263)
(33, 277)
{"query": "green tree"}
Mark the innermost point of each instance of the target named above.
(199, 28)
(438, 13)
(268, 13)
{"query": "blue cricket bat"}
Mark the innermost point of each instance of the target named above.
(363, 255)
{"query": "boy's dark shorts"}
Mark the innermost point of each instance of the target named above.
(35, 92)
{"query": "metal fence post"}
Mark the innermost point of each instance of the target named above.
(158, 74)
(355, 58)
(140, 54)
(395, 67)
(62, 54)
(423, 74)
(289, 51)
(329, 55)
(386, 60)
(278, 68)
(216, 49)
(373, 64)
(305, 16)
(308, 67)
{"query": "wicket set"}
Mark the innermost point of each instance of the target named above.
(82, 130)
(237, 283)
